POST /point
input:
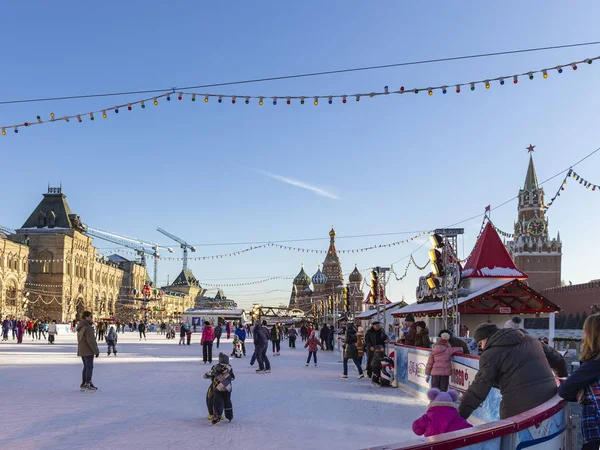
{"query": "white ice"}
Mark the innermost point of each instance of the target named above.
(152, 395)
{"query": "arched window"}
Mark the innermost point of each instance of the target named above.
(11, 293)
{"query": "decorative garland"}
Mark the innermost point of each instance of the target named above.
(577, 177)
(288, 98)
(410, 261)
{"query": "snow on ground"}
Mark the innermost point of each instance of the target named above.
(152, 395)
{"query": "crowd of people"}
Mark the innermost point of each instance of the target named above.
(36, 329)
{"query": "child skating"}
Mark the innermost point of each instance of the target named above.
(111, 341)
(222, 376)
(312, 343)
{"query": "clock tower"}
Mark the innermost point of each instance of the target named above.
(532, 249)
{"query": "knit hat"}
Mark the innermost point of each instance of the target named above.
(223, 358)
(375, 322)
(421, 324)
(410, 317)
(513, 323)
(440, 398)
(445, 336)
(484, 331)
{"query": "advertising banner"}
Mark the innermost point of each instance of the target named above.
(416, 369)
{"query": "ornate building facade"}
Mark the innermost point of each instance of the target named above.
(534, 251)
(327, 283)
(51, 269)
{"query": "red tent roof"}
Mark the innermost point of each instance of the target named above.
(490, 259)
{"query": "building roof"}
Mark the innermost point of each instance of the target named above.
(118, 258)
(332, 255)
(355, 276)
(391, 307)
(319, 277)
(490, 259)
(513, 295)
(186, 278)
(302, 279)
(531, 181)
(52, 212)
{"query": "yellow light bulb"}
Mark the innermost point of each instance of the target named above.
(316, 102)
(487, 85)
(155, 102)
(545, 74)
(104, 114)
(52, 115)
(260, 102)
(430, 92)
(205, 99)
(3, 132)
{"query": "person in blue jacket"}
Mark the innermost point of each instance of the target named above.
(583, 385)
(241, 333)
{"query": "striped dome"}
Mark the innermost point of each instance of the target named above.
(319, 277)
(302, 279)
(355, 276)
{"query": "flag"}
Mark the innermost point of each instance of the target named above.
(487, 208)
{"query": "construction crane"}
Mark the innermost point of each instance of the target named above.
(184, 245)
(142, 248)
(7, 230)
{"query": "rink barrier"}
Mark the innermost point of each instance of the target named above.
(544, 427)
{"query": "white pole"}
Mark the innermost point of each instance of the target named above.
(551, 330)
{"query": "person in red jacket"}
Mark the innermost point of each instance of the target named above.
(208, 336)
(312, 344)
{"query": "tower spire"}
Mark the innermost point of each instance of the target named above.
(531, 181)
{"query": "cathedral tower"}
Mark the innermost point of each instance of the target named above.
(532, 249)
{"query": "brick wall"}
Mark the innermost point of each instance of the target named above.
(574, 299)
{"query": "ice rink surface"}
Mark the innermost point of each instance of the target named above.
(152, 396)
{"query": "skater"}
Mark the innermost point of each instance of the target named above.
(52, 332)
(351, 351)
(218, 334)
(375, 336)
(324, 335)
(303, 332)
(583, 386)
(228, 330)
(312, 344)
(182, 334)
(516, 364)
(292, 336)
(276, 339)
(241, 334)
(222, 376)
(188, 335)
(261, 345)
(439, 364)
(111, 341)
(5, 328)
(142, 330)
(208, 336)
(441, 416)
(376, 361)
(20, 331)
(360, 344)
(331, 338)
(87, 348)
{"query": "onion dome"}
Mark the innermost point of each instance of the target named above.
(355, 276)
(302, 279)
(319, 278)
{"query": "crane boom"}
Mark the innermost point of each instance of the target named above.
(7, 230)
(141, 247)
(184, 245)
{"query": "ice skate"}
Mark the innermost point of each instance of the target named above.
(344, 377)
(259, 371)
(267, 370)
(306, 364)
(216, 420)
(361, 376)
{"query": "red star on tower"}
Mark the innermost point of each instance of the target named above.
(530, 148)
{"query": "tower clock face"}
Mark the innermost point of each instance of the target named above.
(536, 227)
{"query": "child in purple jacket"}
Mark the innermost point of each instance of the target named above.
(441, 416)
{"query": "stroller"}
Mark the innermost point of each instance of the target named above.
(237, 347)
(386, 374)
(171, 333)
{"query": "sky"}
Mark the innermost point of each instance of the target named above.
(218, 174)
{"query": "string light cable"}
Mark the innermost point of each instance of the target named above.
(444, 88)
(302, 75)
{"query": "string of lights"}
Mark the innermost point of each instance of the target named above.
(289, 99)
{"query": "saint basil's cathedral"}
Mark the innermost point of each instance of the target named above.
(326, 283)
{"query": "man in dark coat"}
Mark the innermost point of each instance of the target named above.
(375, 336)
(262, 336)
(218, 333)
(351, 351)
(87, 349)
(303, 332)
(409, 338)
(514, 363)
(324, 334)
(331, 338)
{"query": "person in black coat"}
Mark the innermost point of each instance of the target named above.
(351, 351)
(218, 333)
(330, 338)
(324, 334)
(375, 336)
(142, 330)
(514, 363)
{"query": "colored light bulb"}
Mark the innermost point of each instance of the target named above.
(143, 104)
(559, 70)
(430, 92)
(458, 89)
(358, 98)
(487, 84)
(104, 114)
(574, 66)
(193, 97)
(220, 100)
(129, 107)
(444, 91)
(589, 61)
(260, 101)
(179, 96)
(233, 101)
(515, 79)
(206, 99)
(3, 132)
(16, 130)
(155, 102)
(316, 102)
(330, 100)
(288, 101)
(116, 110)
(344, 99)
(247, 101)
(38, 117)
(79, 119)
(530, 76)
(416, 91)
(472, 86)
(401, 88)
(545, 73)
(274, 102)
(501, 81)
(168, 98)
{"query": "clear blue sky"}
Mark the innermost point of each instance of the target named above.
(396, 163)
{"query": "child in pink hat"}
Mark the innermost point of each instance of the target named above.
(441, 416)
